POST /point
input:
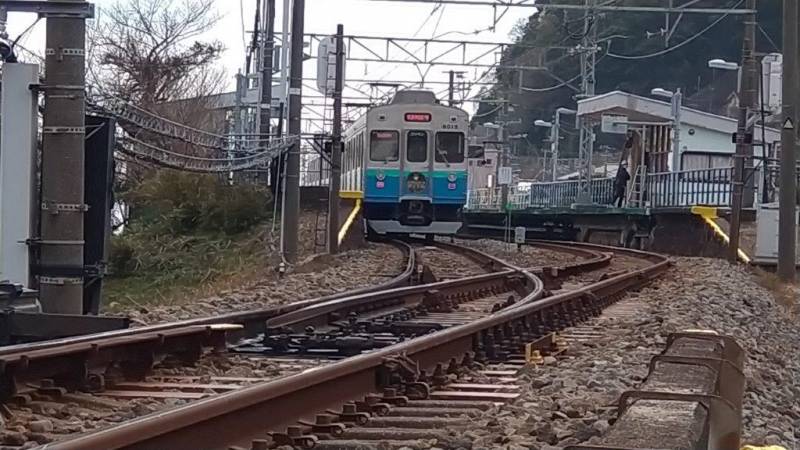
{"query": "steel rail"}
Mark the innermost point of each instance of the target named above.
(592, 258)
(221, 421)
(400, 297)
(318, 314)
(81, 361)
(245, 318)
(75, 361)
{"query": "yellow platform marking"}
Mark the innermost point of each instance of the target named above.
(350, 219)
(705, 211)
(709, 214)
(351, 194)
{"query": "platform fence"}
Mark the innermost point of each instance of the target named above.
(707, 187)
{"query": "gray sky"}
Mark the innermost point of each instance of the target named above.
(359, 17)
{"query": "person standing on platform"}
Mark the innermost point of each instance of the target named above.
(620, 185)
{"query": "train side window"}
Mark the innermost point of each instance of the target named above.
(384, 146)
(449, 147)
(417, 146)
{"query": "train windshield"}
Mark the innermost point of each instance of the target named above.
(384, 146)
(417, 146)
(449, 147)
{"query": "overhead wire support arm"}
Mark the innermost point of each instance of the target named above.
(433, 51)
(53, 8)
(601, 8)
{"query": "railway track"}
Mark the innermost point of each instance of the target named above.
(410, 347)
(122, 373)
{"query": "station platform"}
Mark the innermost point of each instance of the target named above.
(678, 231)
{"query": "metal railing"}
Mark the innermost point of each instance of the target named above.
(710, 187)
(491, 199)
(565, 193)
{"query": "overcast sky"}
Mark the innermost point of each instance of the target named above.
(359, 17)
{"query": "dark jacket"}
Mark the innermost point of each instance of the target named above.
(621, 180)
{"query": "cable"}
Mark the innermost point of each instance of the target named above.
(769, 39)
(478, 116)
(24, 32)
(416, 33)
(551, 88)
(675, 47)
(439, 20)
(190, 163)
(241, 18)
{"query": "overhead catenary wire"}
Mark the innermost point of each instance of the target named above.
(677, 46)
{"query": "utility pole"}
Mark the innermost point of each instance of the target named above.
(787, 227)
(744, 150)
(556, 136)
(677, 106)
(267, 51)
(451, 92)
(291, 206)
(336, 146)
(63, 132)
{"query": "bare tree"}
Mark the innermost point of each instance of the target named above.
(148, 51)
(151, 53)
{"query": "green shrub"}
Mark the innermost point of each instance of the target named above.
(183, 203)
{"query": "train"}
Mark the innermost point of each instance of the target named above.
(407, 161)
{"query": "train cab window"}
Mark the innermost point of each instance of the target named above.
(384, 146)
(449, 147)
(417, 146)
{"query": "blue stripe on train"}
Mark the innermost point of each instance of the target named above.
(443, 192)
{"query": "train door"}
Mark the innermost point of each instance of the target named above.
(416, 169)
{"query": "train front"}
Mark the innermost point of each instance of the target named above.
(416, 175)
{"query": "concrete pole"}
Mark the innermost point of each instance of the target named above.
(555, 136)
(787, 228)
(336, 147)
(268, 49)
(677, 105)
(291, 206)
(747, 98)
(503, 163)
(287, 10)
(63, 207)
(238, 121)
(451, 92)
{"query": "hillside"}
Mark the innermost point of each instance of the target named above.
(624, 58)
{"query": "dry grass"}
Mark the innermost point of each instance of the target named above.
(786, 295)
(164, 269)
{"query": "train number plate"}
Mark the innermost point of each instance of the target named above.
(451, 186)
(379, 184)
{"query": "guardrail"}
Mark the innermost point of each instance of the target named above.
(565, 193)
(710, 187)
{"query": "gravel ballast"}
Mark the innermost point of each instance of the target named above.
(325, 275)
(526, 257)
(572, 399)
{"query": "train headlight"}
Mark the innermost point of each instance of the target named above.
(380, 176)
(416, 182)
(452, 178)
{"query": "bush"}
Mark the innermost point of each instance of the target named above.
(184, 203)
